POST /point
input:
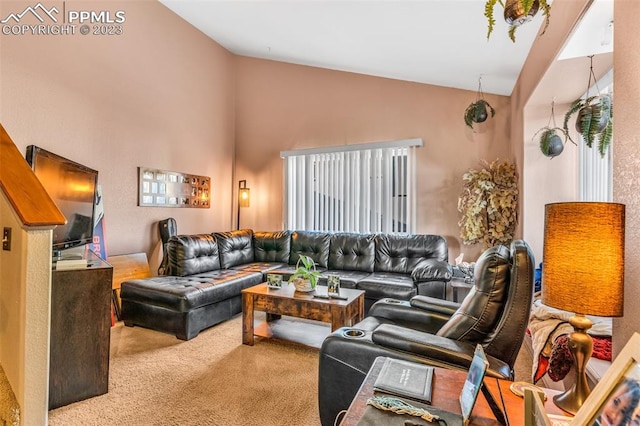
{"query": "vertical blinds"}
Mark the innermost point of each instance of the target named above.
(357, 188)
(596, 174)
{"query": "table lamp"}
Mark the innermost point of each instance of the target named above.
(583, 272)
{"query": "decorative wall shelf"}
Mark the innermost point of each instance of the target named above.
(163, 188)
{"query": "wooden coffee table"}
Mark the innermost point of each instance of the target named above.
(287, 301)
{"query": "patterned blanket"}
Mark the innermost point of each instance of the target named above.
(548, 328)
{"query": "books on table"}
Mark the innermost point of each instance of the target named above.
(405, 379)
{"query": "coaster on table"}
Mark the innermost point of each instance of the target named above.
(518, 388)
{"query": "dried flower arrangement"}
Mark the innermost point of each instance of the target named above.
(488, 203)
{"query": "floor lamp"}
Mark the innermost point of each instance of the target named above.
(243, 198)
(583, 272)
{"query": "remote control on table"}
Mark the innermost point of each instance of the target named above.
(320, 296)
(336, 296)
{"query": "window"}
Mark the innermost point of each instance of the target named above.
(354, 188)
(596, 174)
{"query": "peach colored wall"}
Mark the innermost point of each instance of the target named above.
(160, 95)
(545, 180)
(566, 13)
(284, 107)
(626, 160)
(539, 177)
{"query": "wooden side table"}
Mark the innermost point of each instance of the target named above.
(458, 284)
(447, 385)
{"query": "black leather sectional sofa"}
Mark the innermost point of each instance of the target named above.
(206, 273)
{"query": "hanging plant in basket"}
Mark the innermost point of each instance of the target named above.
(478, 111)
(595, 117)
(516, 13)
(552, 137)
(488, 204)
(551, 141)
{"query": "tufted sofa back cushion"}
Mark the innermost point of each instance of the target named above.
(235, 247)
(310, 243)
(192, 254)
(354, 252)
(480, 311)
(272, 246)
(401, 253)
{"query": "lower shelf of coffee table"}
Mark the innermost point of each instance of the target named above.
(293, 330)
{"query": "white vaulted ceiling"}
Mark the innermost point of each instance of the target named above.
(439, 42)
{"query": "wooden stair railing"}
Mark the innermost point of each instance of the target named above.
(25, 193)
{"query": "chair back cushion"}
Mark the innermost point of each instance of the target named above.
(507, 336)
(235, 247)
(192, 254)
(272, 246)
(480, 311)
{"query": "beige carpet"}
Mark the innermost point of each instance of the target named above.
(156, 379)
(9, 409)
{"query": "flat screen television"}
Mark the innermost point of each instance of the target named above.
(72, 187)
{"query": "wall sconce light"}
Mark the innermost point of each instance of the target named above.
(243, 197)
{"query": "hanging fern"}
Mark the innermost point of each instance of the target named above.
(594, 122)
(605, 139)
(477, 112)
(546, 12)
(551, 141)
(526, 7)
(488, 13)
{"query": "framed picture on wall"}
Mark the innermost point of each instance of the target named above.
(162, 188)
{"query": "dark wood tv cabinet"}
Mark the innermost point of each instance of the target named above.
(80, 332)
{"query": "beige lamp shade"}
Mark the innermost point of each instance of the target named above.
(243, 194)
(244, 197)
(583, 258)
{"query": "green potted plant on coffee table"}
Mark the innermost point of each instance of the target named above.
(305, 278)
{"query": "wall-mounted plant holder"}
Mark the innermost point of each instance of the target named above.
(163, 188)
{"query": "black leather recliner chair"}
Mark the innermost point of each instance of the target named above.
(495, 314)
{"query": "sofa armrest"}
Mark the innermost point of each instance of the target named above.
(432, 270)
(441, 350)
(401, 312)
